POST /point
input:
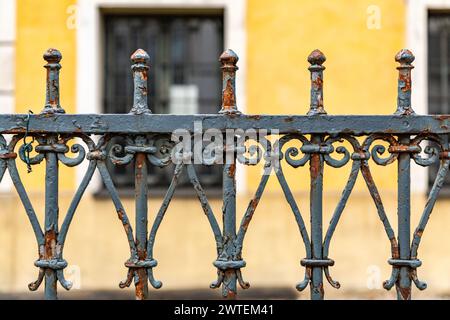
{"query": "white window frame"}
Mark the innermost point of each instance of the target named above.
(417, 41)
(89, 90)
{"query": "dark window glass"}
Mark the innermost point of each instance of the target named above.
(184, 78)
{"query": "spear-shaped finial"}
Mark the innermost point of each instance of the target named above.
(316, 59)
(405, 58)
(140, 67)
(229, 59)
(53, 57)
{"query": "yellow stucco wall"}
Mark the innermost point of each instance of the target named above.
(40, 25)
(360, 75)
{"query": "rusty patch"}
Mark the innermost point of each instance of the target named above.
(419, 233)
(120, 214)
(50, 244)
(230, 293)
(288, 119)
(405, 78)
(143, 90)
(9, 155)
(314, 166)
(247, 218)
(319, 289)
(141, 290)
(399, 148)
(408, 111)
(317, 83)
(444, 155)
(232, 170)
(442, 117)
(140, 161)
(254, 203)
(404, 292)
(404, 148)
(394, 248)
(309, 272)
(142, 252)
(316, 57)
(228, 98)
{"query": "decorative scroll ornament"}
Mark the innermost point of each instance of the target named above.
(157, 148)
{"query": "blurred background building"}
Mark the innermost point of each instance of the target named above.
(184, 39)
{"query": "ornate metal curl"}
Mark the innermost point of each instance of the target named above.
(338, 163)
(54, 144)
(157, 148)
(434, 152)
(379, 150)
(252, 154)
(292, 152)
(26, 148)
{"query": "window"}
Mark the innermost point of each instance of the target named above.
(438, 75)
(184, 78)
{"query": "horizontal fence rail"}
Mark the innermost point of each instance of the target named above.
(157, 140)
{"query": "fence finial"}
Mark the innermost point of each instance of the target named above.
(316, 59)
(229, 59)
(53, 57)
(405, 58)
(140, 67)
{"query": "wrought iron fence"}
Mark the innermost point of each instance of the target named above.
(47, 136)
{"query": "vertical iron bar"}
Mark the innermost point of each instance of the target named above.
(228, 60)
(53, 57)
(229, 288)
(316, 199)
(51, 219)
(140, 60)
(141, 223)
(316, 164)
(403, 284)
